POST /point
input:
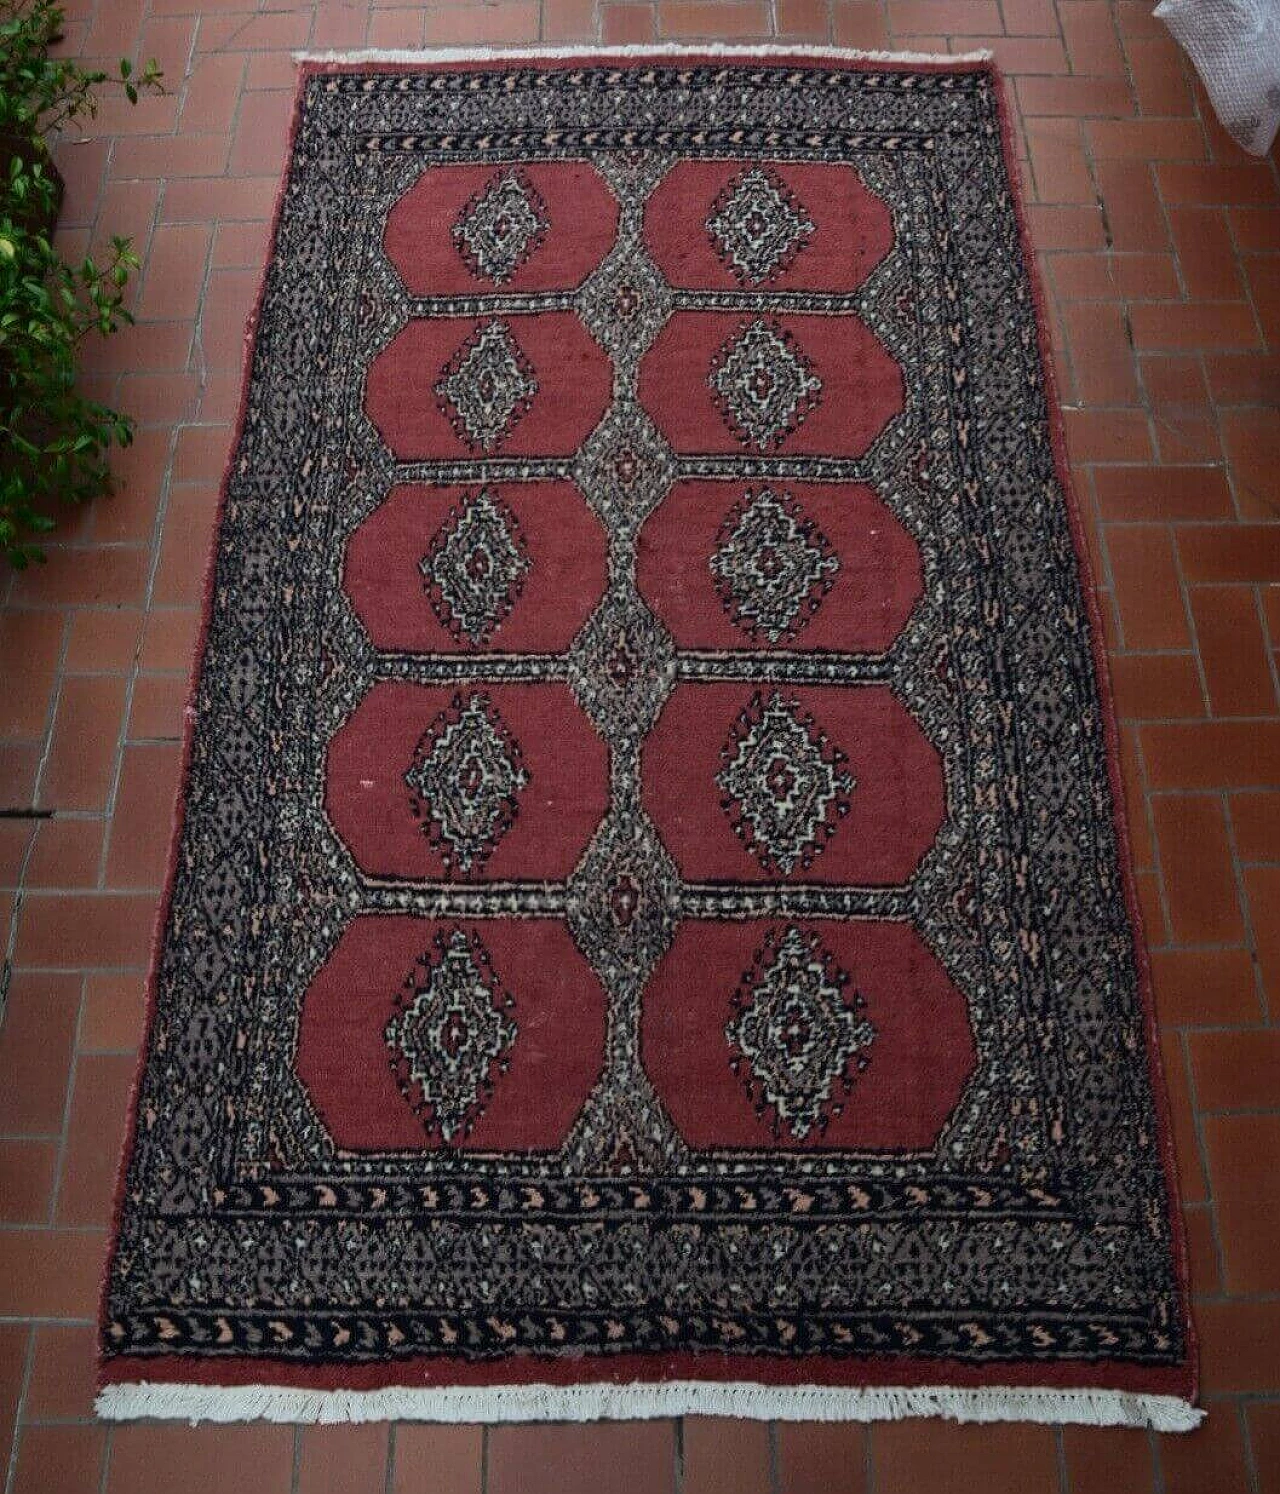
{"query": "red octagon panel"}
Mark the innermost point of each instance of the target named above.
(919, 1057)
(572, 372)
(876, 586)
(579, 212)
(370, 804)
(861, 384)
(559, 1014)
(895, 809)
(852, 229)
(564, 547)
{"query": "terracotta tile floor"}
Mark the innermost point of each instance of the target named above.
(1160, 245)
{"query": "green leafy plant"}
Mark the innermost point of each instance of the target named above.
(54, 442)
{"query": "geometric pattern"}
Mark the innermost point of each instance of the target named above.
(795, 1032)
(763, 384)
(785, 787)
(487, 386)
(475, 568)
(451, 1029)
(773, 566)
(500, 227)
(465, 781)
(757, 226)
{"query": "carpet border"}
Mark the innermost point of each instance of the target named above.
(205, 1398)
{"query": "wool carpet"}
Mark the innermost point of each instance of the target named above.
(649, 928)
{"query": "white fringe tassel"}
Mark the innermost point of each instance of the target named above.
(429, 55)
(602, 1400)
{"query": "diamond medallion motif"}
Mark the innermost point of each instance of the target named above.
(487, 386)
(475, 568)
(625, 468)
(786, 788)
(796, 1035)
(757, 226)
(500, 227)
(622, 667)
(763, 384)
(465, 780)
(452, 1029)
(772, 566)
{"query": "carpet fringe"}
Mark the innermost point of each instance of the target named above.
(605, 1400)
(427, 55)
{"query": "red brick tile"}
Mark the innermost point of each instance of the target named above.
(1065, 227)
(1262, 887)
(62, 1373)
(445, 1460)
(256, 31)
(103, 641)
(1256, 228)
(212, 92)
(1021, 57)
(81, 763)
(228, 304)
(1202, 1251)
(212, 1459)
(1147, 588)
(1210, 1460)
(173, 276)
(240, 246)
(158, 703)
(1135, 217)
(1189, 183)
(725, 1457)
(1141, 842)
(1235, 653)
(1101, 355)
(1252, 439)
(1212, 754)
(1159, 77)
(31, 646)
(1205, 253)
(1145, 139)
(36, 1041)
(85, 931)
(622, 25)
(82, 162)
(1199, 324)
(114, 1013)
(397, 28)
(944, 17)
(169, 639)
(14, 1338)
(1244, 378)
(1230, 552)
(184, 549)
(262, 134)
(1264, 1434)
(1255, 822)
(1030, 17)
(821, 1457)
(59, 1460)
(50, 1273)
(713, 18)
(228, 200)
(95, 1135)
(200, 455)
(938, 1457)
(1107, 435)
(158, 156)
(15, 842)
(809, 20)
(1077, 97)
(345, 1460)
(605, 1458)
(1162, 493)
(1156, 686)
(138, 849)
(1175, 379)
(27, 1171)
(1089, 30)
(1112, 277)
(271, 71)
(1108, 1460)
(1244, 1153)
(114, 577)
(1236, 1070)
(1238, 1346)
(568, 20)
(66, 854)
